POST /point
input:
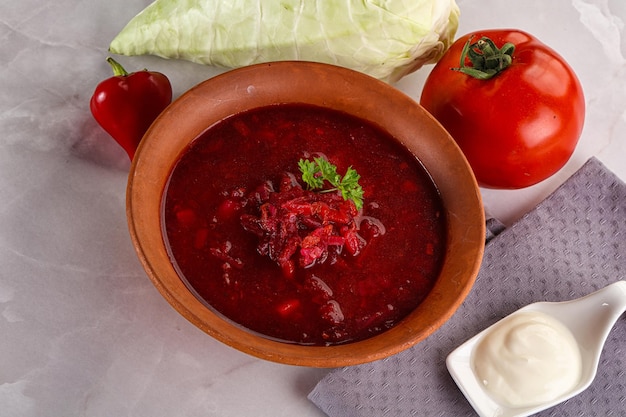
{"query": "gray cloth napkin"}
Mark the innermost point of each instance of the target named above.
(571, 244)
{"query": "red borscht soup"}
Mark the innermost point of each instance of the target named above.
(251, 240)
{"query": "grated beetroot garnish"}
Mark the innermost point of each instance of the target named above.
(298, 228)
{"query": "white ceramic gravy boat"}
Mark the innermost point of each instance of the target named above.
(590, 319)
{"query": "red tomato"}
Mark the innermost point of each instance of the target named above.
(518, 127)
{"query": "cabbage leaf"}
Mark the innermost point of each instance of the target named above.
(386, 39)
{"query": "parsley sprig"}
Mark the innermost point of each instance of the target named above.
(316, 172)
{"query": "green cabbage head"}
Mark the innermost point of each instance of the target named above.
(386, 39)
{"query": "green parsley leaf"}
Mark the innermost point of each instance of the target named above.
(310, 170)
(329, 171)
(350, 187)
(315, 172)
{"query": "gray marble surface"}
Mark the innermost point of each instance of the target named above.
(82, 330)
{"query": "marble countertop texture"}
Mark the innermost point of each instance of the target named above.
(83, 332)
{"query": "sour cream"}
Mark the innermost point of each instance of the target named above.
(527, 359)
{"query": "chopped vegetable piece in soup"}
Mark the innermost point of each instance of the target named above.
(296, 264)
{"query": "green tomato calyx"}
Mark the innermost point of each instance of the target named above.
(486, 58)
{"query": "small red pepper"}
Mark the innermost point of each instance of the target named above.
(125, 105)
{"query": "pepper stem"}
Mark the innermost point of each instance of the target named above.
(486, 58)
(118, 69)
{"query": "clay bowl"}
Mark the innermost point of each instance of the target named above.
(336, 88)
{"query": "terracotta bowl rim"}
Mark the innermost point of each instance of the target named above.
(338, 88)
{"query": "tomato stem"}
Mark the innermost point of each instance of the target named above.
(118, 69)
(486, 58)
